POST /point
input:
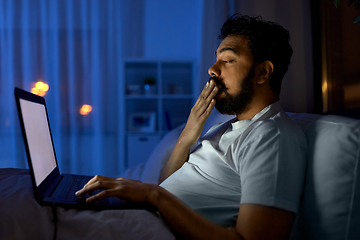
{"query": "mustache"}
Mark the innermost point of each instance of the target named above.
(219, 83)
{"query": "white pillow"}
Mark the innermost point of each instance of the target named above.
(331, 200)
(160, 155)
(162, 152)
(134, 173)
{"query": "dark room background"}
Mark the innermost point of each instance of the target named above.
(111, 70)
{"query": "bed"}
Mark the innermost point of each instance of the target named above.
(23, 218)
(330, 206)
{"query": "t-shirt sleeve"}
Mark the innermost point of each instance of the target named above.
(272, 168)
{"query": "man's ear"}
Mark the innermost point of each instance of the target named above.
(264, 71)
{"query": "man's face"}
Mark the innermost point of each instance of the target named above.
(233, 73)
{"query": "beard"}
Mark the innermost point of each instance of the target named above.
(236, 104)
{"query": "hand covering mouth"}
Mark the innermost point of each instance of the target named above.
(218, 83)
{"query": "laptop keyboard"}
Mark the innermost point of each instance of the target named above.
(76, 183)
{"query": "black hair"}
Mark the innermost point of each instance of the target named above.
(267, 40)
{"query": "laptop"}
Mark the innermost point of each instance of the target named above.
(51, 187)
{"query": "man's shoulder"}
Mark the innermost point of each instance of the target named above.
(281, 126)
(285, 127)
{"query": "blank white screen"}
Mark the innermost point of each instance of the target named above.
(39, 139)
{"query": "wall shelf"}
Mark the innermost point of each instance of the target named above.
(152, 111)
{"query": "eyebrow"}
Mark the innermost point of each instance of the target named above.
(226, 49)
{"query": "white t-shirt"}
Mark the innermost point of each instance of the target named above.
(258, 161)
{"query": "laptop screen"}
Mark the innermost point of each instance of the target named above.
(39, 139)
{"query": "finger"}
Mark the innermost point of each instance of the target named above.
(101, 195)
(205, 92)
(213, 93)
(202, 105)
(206, 102)
(209, 108)
(92, 180)
(98, 178)
(99, 184)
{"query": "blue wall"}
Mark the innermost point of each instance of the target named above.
(172, 29)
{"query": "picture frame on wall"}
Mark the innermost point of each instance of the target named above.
(142, 122)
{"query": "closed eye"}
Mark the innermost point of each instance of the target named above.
(229, 61)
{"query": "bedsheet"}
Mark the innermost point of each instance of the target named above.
(21, 217)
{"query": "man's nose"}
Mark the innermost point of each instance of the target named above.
(214, 71)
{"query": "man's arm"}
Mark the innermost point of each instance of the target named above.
(253, 222)
(192, 131)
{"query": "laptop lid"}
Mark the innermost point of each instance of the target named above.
(43, 166)
(37, 136)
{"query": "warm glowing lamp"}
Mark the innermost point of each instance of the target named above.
(35, 91)
(40, 88)
(39, 85)
(85, 109)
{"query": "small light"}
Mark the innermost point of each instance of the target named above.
(39, 85)
(85, 109)
(324, 87)
(46, 87)
(35, 91)
(40, 88)
(38, 92)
